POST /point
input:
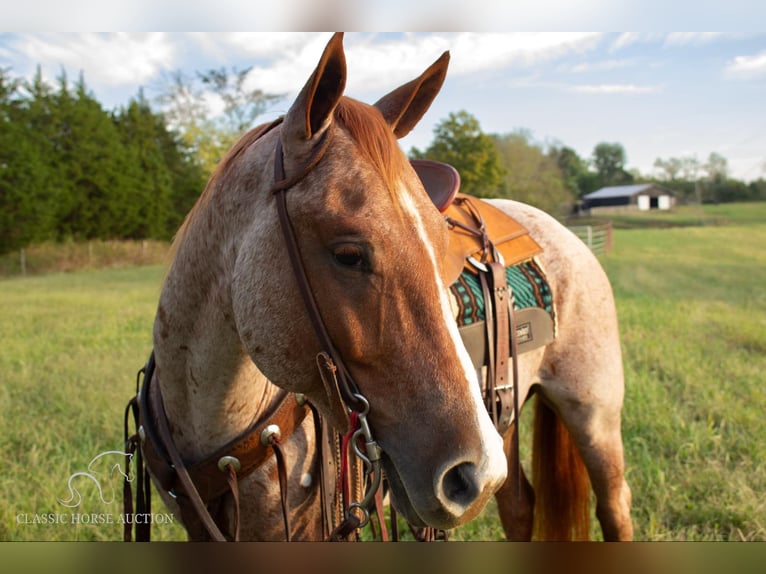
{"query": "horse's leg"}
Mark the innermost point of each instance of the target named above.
(595, 430)
(515, 499)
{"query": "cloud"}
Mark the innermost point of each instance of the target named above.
(628, 38)
(113, 59)
(685, 38)
(613, 89)
(272, 45)
(282, 61)
(747, 66)
(524, 49)
(666, 39)
(601, 66)
(380, 61)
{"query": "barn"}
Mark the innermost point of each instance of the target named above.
(642, 197)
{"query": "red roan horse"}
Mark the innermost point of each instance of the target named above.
(235, 330)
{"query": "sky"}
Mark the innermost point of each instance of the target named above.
(659, 94)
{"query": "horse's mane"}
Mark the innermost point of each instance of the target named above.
(364, 124)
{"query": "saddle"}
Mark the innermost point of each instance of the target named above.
(484, 241)
(475, 224)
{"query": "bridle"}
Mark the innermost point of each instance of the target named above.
(342, 392)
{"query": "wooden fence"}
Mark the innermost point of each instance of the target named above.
(598, 238)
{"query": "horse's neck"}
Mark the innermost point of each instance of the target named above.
(211, 389)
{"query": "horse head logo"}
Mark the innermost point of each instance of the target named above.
(75, 498)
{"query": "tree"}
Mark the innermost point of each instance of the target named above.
(187, 109)
(25, 213)
(574, 170)
(669, 168)
(140, 132)
(104, 194)
(532, 176)
(609, 160)
(717, 168)
(71, 170)
(459, 141)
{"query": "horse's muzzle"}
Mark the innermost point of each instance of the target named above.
(459, 492)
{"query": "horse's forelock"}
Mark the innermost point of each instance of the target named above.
(366, 125)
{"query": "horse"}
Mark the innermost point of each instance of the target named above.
(313, 266)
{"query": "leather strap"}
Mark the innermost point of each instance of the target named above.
(282, 478)
(190, 501)
(501, 390)
(506, 235)
(341, 390)
(339, 374)
(198, 485)
(500, 394)
(247, 448)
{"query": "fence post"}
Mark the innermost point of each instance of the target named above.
(609, 237)
(23, 261)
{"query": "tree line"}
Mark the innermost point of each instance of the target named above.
(554, 177)
(71, 170)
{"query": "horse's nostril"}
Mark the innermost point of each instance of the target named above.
(459, 484)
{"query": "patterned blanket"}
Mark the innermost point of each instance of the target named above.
(527, 281)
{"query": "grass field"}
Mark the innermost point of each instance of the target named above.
(692, 308)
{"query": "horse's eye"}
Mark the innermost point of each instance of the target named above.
(351, 256)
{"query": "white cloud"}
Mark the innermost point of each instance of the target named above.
(273, 45)
(747, 66)
(667, 39)
(283, 61)
(628, 38)
(603, 65)
(684, 38)
(378, 62)
(613, 89)
(486, 51)
(113, 59)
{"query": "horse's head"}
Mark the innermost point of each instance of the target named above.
(373, 248)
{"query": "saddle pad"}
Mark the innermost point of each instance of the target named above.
(510, 238)
(527, 281)
(534, 313)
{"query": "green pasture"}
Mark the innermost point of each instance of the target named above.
(692, 308)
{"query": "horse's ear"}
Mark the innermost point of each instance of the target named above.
(404, 107)
(315, 104)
